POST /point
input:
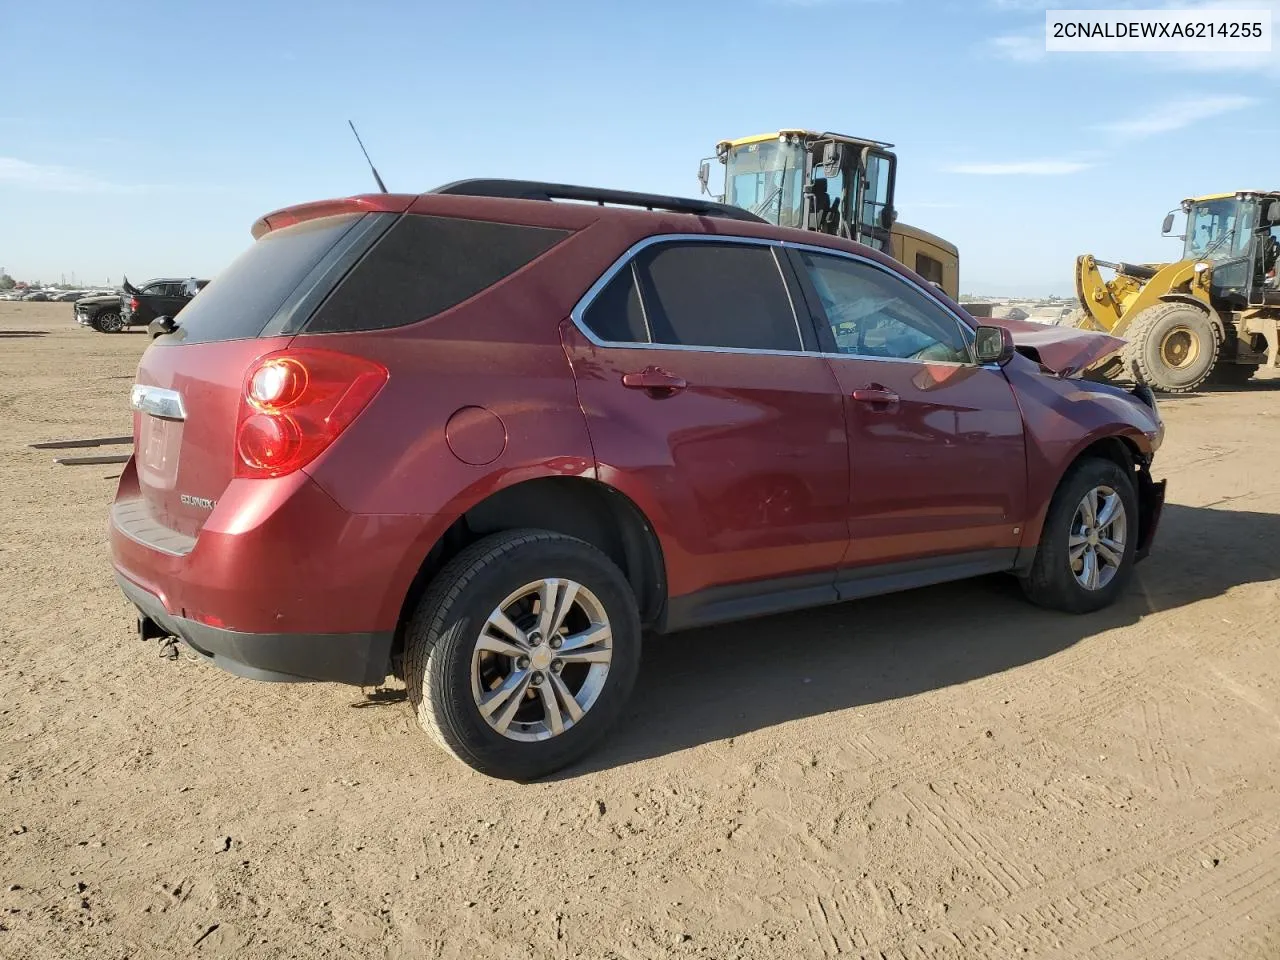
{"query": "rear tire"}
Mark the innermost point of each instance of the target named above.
(456, 672)
(109, 322)
(1173, 347)
(1058, 578)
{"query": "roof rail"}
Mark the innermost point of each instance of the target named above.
(536, 190)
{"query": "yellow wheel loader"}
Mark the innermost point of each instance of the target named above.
(1213, 315)
(833, 183)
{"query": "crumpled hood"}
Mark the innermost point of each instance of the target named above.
(1067, 351)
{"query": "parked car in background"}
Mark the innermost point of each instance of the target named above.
(482, 440)
(36, 296)
(102, 312)
(157, 298)
(69, 296)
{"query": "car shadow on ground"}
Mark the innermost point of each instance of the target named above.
(17, 334)
(719, 682)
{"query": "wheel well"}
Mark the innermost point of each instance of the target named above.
(581, 508)
(1123, 453)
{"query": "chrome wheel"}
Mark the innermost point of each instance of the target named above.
(110, 323)
(1098, 534)
(541, 660)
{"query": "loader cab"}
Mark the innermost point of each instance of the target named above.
(814, 181)
(1237, 235)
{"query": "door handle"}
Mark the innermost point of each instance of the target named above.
(874, 395)
(654, 380)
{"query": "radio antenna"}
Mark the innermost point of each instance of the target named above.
(381, 186)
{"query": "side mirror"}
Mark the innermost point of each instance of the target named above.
(993, 345)
(888, 217)
(832, 158)
(1273, 211)
(1168, 223)
(704, 176)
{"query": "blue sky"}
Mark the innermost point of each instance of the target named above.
(144, 138)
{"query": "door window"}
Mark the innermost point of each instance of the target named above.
(698, 294)
(875, 200)
(875, 314)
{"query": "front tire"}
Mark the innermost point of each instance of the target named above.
(109, 322)
(1173, 347)
(523, 652)
(1090, 535)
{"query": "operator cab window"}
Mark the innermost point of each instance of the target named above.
(874, 314)
(698, 294)
(929, 268)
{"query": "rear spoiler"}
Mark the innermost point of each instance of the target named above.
(364, 203)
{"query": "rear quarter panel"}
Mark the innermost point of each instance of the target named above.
(499, 352)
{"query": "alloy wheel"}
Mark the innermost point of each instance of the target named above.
(1099, 531)
(541, 660)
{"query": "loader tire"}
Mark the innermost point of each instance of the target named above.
(1173, 347)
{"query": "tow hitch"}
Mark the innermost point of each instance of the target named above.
(148, 629)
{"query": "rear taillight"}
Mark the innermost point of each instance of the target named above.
(297, 402)
(133, 304)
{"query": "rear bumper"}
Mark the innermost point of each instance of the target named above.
(279, 584)
(356, 658)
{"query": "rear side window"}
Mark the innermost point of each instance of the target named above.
(240, 301)
(425, 265)
(707, 294)
(616, 314)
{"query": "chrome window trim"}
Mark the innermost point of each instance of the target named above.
(627, 259)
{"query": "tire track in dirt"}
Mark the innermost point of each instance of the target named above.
(1139, 912)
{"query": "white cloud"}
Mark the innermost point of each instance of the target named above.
(1021, 47)
(1175, 116)
(1013, 168)
(54, 179)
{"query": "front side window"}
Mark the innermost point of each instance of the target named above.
(875, 314)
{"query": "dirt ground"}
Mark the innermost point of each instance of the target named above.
(944, 773)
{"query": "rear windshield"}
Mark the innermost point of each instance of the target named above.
(238, 303)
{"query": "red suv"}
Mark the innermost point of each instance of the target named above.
(483, 439)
